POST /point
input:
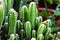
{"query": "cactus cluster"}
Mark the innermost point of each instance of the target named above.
(29, 27)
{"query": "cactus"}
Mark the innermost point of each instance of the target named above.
(32, 13)
(41, 29)
(28, 30)
(9, 4)
(24, 13)
(33, 34)
(51, 37)
(48, 31)
(38, 21)
(22, 34)
(1, 12)
(40, 37)
(17, 37)
(6, 27)
(33, 38)
(12, 37)
(18, 26)
(48, 23)
(6, 19)
(58, 35)
(12, 14)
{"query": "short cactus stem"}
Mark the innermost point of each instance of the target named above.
(41, 29)
(24, 14)
(40, 37)
(48, 23)
(58, 35)
(18, 26)
(28, 30)
(12, 14)
(48, 31)
(33, 38)
(22, 34)
(34, 34)
(12, 37)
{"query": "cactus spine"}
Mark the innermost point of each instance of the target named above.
(12, 21)
(24, 13)
(28, 30)
(32, 13)
(1, 12)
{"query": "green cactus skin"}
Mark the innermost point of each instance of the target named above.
(28, 30)
(33, 34)
(40, 37)
(48, 22)
(5, 2)
(12, 14)
(18, 26)
(32, 13)
(29, 0)
(41, 29)
(38, 21)
(48, 31)
(10, 4)
(6, 27)
(58, 35)
(50, 1)
(22, 34)
(6, 19)
(33, 38)
(12, 37)
(51, 37)
(24, 13)
(1, 12)
(17, 37)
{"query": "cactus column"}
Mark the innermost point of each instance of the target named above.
(1, 12)
(32, 13)
(12, 14)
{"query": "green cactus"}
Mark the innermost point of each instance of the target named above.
(6, 27)
(41, 29)
(40, 37)
(58, 35)
(24, 12)
(12, 14)
(38, 21)
(12, 37)
(51, 37)
(48, 31)
(5, 2)
(18, 26)
(17, 37)
(32, 13)
(48, 23)
(28, 30)
(10, 4)
(6, 19)
(33, 34)
(33, 38)
(1, 12)
(22, 34)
